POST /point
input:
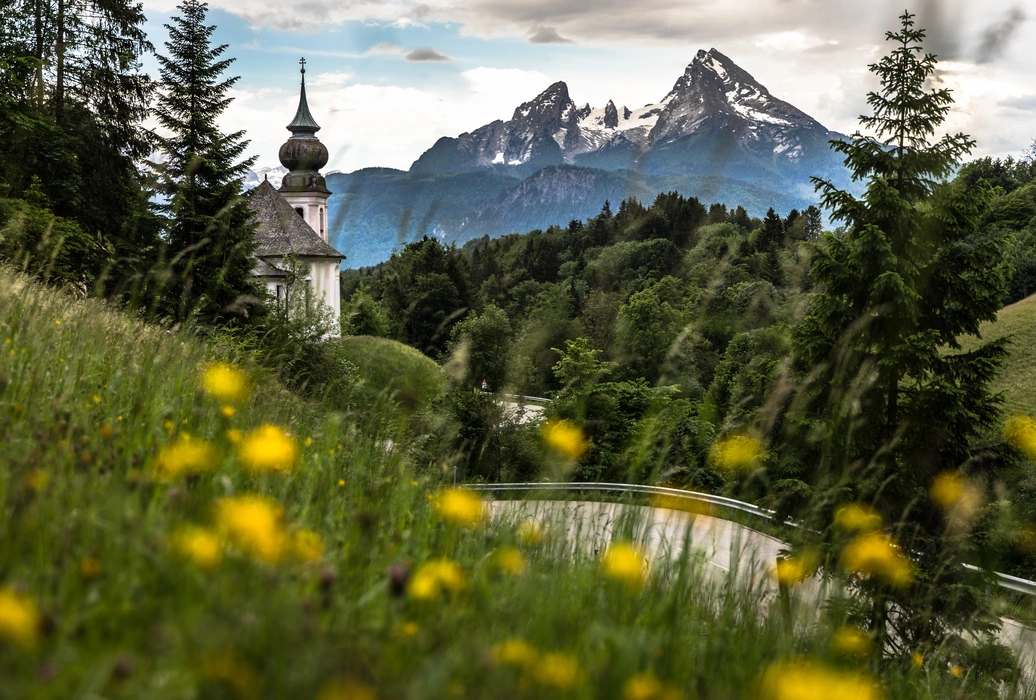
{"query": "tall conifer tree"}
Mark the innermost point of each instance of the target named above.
(211, 235)
(890, 406)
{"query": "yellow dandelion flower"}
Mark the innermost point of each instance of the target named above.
(514, 652)
(19, 619)
(345, 690)
(959, 498)
(409, 630)
(167, 424)
(956, 671)
(736, 452)
(851, 641)
(624, 563)
(37, 480)
(227, 412)
(97, 399)
(57, 321)
(642, 686)
(307, 545)
(461, 507)
(226, 383)
(1020, 432)
(856, 517)
(511, 561)
(793, 570)
(564, 438)
(806, 680)
(341, 482)
(199, 545)
(186, 456)
(90, 568)
(530, 532)
(875, 554)
(917, 659)
(106, 431)
(253, 525)
(436, 576)
(307, 442)
(557, 670)
(269, 449)
(235, 436)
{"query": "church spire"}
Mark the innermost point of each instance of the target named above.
(303, 125)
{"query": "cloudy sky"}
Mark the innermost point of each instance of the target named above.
(386, 78)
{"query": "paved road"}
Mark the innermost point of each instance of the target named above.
(726, 546)
(525, 412)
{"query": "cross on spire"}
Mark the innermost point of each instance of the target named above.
(302, 62)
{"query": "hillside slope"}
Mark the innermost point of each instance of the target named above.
(1018, 378)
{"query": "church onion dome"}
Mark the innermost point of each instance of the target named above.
(303, 154)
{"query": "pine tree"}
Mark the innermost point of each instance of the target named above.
(887, 409)
(211, 235)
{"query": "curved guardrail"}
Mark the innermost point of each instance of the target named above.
(526, 399)
(1011, 583)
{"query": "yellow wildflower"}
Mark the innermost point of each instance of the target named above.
(409, 630)
(735, 452)
(227, 412)
(917, 659)
(199, 545)
(307, 442)
(959, 498)
(461, 507)
(307, 545)
(106, 431)
(235, 436)
(956, 671)
(90, 568)
(19, 619)
(37, 479)
(253, 525)
(805, 680)
(793, 570)
(269, 449)
(186, 456)
(624, 563)
(530, 532)
(97, 399)
(557, 670)
(565, 438)
(434, 577)
(642, 686)
(510, 560)
(1020, 432)
(514, 652)
(341, 482)
(226, 383)
(875, 554)
(856, 517)
(345, 690)
(851, 641)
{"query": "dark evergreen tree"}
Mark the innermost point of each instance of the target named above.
(887, 409)
(211, 234)
(771, 235)
(814, 223)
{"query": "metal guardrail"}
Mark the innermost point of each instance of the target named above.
(1006, 581)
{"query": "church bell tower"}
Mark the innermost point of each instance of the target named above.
(303, 155)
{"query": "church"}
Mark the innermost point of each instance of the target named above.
(292, 222)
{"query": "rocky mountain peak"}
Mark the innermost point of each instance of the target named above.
(611, 115)
(548, 105)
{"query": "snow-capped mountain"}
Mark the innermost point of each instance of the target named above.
(717, 120)
(255, 177)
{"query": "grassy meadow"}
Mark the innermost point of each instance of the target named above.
(178, 525)
(1018, 322)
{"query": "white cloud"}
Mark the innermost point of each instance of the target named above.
(792, 41)
(339, 77)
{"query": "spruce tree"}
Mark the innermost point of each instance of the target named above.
(891, 405)
(211, 234)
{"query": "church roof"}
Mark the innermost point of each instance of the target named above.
(265, 269)
(281, 231)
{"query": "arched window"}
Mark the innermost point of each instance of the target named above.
(322, 219)
(298, 210)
